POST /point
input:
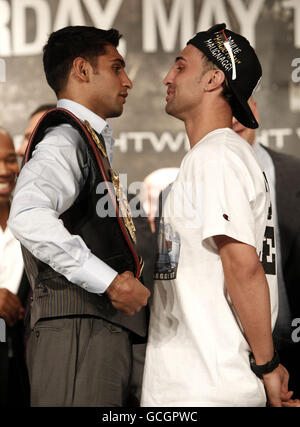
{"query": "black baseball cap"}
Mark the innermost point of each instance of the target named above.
(233, 54)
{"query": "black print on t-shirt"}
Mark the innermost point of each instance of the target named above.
(266, 183)
(270, 212)
(268, 256)
(168, 253)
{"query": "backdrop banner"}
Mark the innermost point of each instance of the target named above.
(154, 33)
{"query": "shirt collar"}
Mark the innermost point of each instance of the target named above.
(6, 235)
(84, 113)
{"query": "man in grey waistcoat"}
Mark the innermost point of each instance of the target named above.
(88, 305)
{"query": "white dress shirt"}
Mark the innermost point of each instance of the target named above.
(48, 186)
(11, 261)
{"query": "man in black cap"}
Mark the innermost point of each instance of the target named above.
(210, 339)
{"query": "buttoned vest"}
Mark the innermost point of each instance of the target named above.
(106, 236)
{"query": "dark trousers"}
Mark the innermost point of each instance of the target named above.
(14, 384)
(79, 361)
(290, 358)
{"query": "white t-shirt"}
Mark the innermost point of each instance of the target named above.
(197, 354)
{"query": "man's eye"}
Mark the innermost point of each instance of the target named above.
(179, 68)
(117, 69)
(11, 160)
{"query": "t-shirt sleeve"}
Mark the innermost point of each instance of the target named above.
(225, 203)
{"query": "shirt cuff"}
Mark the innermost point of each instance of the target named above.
(94, 276)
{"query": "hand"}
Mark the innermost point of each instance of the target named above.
(11, 309)
(127, 294)
(276, 385)
(291, 403)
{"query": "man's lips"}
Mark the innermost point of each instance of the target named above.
(238, 130)
(170, 94)
(123, 96)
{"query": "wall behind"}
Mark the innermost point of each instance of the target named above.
(154, 32)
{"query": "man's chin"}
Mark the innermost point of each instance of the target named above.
(116, 113)
(4, 199)
(242, 133)
(172, 112)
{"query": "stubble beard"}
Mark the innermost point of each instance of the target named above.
(116, 112)
(172, 111)
(170, 108)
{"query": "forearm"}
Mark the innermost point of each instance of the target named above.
(45, 236)
(251, 300)
(248, 289)
(47, 187)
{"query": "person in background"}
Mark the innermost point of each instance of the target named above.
(283, 174)
(153, 185)
(14, 288)
(34, 118)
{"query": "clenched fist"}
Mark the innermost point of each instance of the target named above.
(127, 294)
(11, 309)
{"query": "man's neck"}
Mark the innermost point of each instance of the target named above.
(4, 214)
(208, 120)
(80, 99)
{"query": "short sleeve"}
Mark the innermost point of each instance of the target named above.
(225, 201)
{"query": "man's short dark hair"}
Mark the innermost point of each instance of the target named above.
(72, 42)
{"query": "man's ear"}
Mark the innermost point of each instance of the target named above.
(215, 80)
(81, 70)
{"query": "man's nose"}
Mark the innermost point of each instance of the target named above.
(168, 79)
(4, 170)
(234, 121)
(165, 80)
(127, 82)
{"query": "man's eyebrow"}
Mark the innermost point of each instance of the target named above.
(180, 58)
(121, 61)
